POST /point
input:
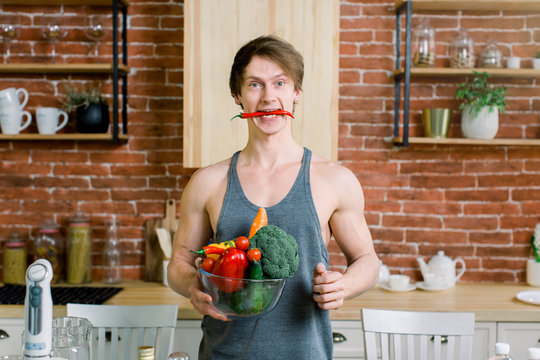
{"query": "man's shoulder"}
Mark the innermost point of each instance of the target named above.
(211, 173)
(325, 167)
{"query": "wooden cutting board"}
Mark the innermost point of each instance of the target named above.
(153, 268)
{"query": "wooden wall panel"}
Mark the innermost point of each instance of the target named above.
(214, 30)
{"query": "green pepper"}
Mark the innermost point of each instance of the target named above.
(255, 271)
(252, 299)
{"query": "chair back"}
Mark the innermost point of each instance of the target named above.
(119, 330)
(414, 335)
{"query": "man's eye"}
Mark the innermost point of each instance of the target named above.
(280, 83)
(254, 85)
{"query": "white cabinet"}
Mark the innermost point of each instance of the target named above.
(520, 336)
(10, 336)
(187, 337)
(485, 336)
(348, 339)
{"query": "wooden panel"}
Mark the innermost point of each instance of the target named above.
(473, 5)
(210, 43)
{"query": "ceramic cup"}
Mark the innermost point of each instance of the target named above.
(533, 272)
(512, 62)
(399, 282)
(47, 119)
(12, 97)
(11, 120)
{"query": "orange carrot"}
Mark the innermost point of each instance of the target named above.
(260, 220)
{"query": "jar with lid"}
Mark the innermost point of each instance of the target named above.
(146, 353)
(50, 245)
(462, 51)
(15, 252)
(491, 56)
(424, 45)
(79, 250)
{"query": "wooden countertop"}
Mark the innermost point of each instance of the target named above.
(489, 301)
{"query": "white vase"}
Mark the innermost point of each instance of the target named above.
(536, 63)
(483, 125)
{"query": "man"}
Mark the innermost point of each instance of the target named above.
(308, 197)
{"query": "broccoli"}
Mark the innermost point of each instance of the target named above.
(279, 252)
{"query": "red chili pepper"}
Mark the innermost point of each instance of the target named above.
(261, 113)
(206, 250)
(231, 264)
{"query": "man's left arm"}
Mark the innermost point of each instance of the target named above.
(352, 234)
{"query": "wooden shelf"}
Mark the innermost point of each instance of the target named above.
(472, 5)
(449, 72)
(465, 141)
(62, 2)
(61, 68)
(61, 137)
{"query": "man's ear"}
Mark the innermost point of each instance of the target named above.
(237, 100)
(297, 95)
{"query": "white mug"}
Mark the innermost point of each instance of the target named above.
(11, 120)
(399, 282)
(12, 97)
(47, 119)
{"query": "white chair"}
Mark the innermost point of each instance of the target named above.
(425, 335)
(151, 325)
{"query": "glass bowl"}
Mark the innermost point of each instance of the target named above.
(242, 298)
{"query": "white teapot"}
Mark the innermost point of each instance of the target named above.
(440, 272)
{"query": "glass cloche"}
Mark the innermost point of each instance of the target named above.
(462, 51)
(424, 45)
(491, 56)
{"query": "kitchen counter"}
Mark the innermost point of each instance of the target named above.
(489, 301)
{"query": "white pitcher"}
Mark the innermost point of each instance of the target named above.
(13, 97)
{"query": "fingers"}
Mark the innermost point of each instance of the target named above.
(319, 269)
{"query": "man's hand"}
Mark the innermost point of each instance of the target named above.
(328, 288)
(202, 302)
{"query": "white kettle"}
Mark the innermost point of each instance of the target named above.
(440, 272)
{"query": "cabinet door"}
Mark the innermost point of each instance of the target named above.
(520, 336)
(348, 339)
(312, 26)
(485, 334)
(187, 337)
(13, 328)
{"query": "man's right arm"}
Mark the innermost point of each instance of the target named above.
(194, 231)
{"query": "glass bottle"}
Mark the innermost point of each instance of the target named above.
(533, 353)
(112, 264)
(178, 356)
(502, 352)
(491, 56)
(50, 245)
(146, 353)
(424, 45)
(79, 250)
(15, 259)
(462, 51)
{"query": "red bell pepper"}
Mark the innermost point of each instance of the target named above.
(233, 265)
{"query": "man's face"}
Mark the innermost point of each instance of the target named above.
(266, 87)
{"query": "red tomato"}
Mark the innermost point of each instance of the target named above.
(242, 243)
(208, 264)
(254, 255)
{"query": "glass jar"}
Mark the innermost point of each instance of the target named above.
(50, 245)
(462, 51)
(79, 250)
(424, 45)
(491, 56)
(15, 252)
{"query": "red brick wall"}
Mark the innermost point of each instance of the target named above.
(477, 202)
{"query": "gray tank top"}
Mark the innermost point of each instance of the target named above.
(297, 328)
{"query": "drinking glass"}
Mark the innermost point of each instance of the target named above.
(95, 32)
(53, 32)
(8, 32)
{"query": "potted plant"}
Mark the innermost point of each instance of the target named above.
(480, 107)
(91, 109)
(536, 60)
